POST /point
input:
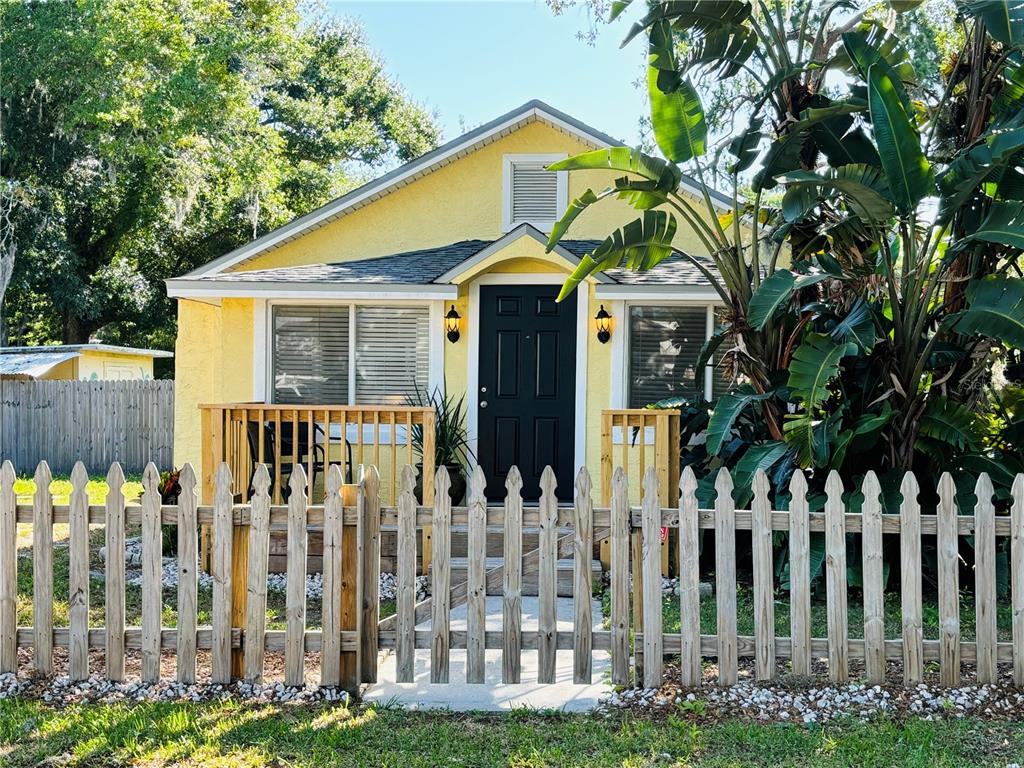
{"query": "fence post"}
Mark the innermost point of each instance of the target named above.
(689, 581)
(42, 571)
(221, 570)
(948, 537)
(256, 579)
(441, 580)
(334, 512)
(764, 589)
(874, 594)
(475, 580)
(835, 579)
(188, 583)
(619, 512)
(985, 579)
(799, 575)
(152, 574)
(583, 553)
(652, 562)
(405, 598)
(78, 575)
(295, 595)
(1017, 578)
(910, 570)
(725, 578)
(349, 677)
(369, 585)
(429, 438)
(239, 582)
(8, 570)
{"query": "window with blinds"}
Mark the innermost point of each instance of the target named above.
(532, 194)
(664, 344)
(392, 355)
(310, 354)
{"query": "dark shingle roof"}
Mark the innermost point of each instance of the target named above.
(413, 267)
(427, 265)
(677, 269)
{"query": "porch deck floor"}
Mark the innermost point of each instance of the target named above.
(492, 695)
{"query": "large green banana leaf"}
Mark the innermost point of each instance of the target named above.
(677, 118)
(1004, 19)
(815, 363)
(1004, 224)
(639, 245)
(980, 163)
(727, 410)
(696, 16)
(872, 45)
(995, 308)
(948, 421)
(907, 170)
(863, 188)
(774, 292)
(626, 159)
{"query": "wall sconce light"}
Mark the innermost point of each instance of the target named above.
(451, 325)
(604, 325)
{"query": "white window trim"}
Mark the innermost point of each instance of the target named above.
(263, 318)
(620, 345)
(507, 161)
(473, 355)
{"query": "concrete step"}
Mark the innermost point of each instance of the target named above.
(564, 580)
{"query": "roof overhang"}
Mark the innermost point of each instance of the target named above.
(185, 288)
(457, 273)
(33, 364)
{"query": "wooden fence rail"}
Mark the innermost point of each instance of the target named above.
(96, 422)
(352, 633)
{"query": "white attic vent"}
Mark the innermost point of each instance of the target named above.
(532, 195)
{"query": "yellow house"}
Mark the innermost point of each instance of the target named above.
(79, 362)
(352, 304)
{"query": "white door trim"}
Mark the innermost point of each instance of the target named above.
(473, 356)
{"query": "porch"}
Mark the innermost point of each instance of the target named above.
(314, 437)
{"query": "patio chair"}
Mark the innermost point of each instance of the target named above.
(288, 448)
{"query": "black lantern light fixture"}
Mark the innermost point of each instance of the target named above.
(451, 325)
(604, 325)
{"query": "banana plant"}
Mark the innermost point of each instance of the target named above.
(869, 266)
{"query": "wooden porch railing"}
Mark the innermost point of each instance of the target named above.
(636, 439)
(245, 435)
(286, 437)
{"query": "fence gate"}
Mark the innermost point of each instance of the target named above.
(347, 644)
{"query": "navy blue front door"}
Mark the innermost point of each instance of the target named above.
(527, 384)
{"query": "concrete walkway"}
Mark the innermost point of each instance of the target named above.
(493, 695)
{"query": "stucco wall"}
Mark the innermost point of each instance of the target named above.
(460, 201)
(213, 364)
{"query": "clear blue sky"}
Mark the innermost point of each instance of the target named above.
(471, 61)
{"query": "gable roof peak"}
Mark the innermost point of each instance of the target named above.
(532, 110)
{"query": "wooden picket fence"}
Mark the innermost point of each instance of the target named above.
(352, 633)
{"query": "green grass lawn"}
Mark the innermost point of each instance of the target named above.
(239, 735)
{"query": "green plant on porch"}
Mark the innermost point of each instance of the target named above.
(451, 437)
(870, 274)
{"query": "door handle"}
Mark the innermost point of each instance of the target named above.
(483, 403)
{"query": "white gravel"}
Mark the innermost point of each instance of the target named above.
(62, 691)
(820, 705)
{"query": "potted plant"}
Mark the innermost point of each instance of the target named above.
(451, 439)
